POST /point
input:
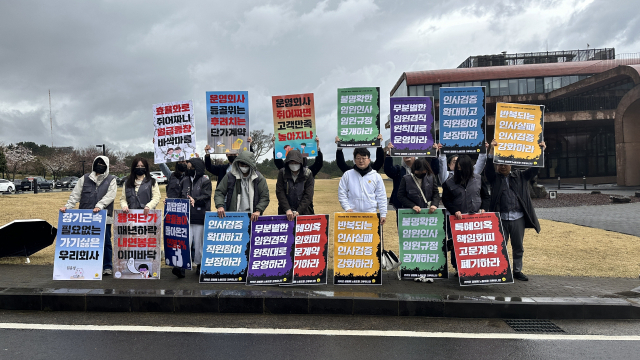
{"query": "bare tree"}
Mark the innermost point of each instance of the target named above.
(120, 162)
(261, 143)
(17, 156)
(58, 161)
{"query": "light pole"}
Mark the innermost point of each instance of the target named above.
(104, 149)
(82, 161)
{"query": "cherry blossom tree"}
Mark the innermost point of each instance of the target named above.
(58, 161)
(17, 156)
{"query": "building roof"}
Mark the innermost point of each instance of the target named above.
(509, 72)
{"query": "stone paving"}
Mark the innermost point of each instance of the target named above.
(622, 218)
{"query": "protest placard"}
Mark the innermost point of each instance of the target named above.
(272, 251)
(481, 252)
(462, 119)
(294, 122)
(136, 244)
(423, 248)
(79, 245)
(518, 130)
(174, 137)
(177, 248)
(312, 233)
(225, 253)
(412, 131)
(228, 121)
(356, 249)
(359, 117)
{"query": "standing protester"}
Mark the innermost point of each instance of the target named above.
(397, 172)
(174, 178)
(511, 198)
(342, 164)
(294, 187)
(361, 189)
(447, 164)
(140, 191)
(221, 171)
(96, 191)
(419, 189)
(243, 189)
(196, 187)
(315, 167)
(463, 193)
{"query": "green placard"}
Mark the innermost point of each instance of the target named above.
(359, 117)
(423, 249)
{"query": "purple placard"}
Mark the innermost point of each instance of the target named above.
(272, 251)
(412, 130)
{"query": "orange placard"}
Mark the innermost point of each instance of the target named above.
(356, 249)
(518, 131)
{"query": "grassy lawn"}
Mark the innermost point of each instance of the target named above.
(559, 249)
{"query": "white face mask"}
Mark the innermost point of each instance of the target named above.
(244, 169)
(294, 167)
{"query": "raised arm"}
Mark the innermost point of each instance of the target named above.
(380, 158)
(317, 164)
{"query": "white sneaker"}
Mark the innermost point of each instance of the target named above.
(107, 272)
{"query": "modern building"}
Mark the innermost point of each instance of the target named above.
(591, 98)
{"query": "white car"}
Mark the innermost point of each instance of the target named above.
(159, 177)
(7, 186)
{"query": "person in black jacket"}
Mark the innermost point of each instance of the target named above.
(463, 193)
(342, 164)
(196, 187)
(294, 187)
(221, 170)
(419, 188)
(511, 198)
(315, 167)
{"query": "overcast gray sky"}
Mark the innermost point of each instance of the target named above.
(107, 62)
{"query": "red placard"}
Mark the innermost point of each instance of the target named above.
(312, 233)
(481, 252)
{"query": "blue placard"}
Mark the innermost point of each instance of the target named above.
(79, 245)
(462, 119)
(225, 253)
(177, 249)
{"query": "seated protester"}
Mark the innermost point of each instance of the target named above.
(377, 165)
(511, 198)
(294, 187)
(96, 191)
(463, 193)
(174, 178)
(221, 170)
(419, 189)
(140, 191)
(243, 189)
(196, 187)
(361, 189)
(315, 167)
(447, 164)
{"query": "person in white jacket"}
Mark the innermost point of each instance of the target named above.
(361, 189)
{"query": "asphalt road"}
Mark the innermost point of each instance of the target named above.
(67, 335)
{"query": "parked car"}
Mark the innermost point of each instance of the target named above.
(159, 176)
(121, 180)
(73, 183)
(65, 181)
(7, 186)
(27, 183)
(18, 184)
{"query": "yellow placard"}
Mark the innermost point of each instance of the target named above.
(518, 132)
(356, 249)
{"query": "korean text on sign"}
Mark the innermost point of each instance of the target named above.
(228, 121)
(423, 249)
(271, 258)
(176, 233)
(225, 255)
(462, 119)
(356, 248)
(174, 135)
(310, 266)
(412, 126)
(136, 247)
(518, 131)
(294, 123)
(359, 117)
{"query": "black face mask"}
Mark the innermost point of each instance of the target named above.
(420, 176)
(99, 168)
(181, 167)
(191, 172)
(141, 171)
(231, 159)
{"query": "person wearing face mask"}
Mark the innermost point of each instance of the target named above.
(294, 187)
(447, 165)
(315, 167)
(173, 184)
(221, 170)
(140, 191)
(419, 189)
(243, 189)
(463, 193)
(196, 187)
(361, 189)
(511, 198)
(97, 190)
